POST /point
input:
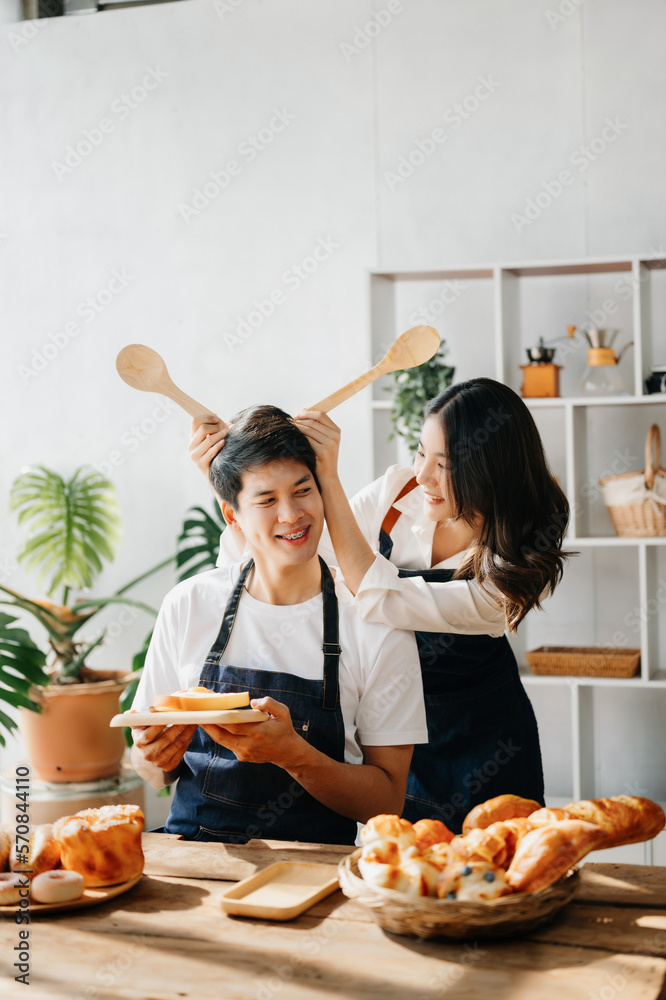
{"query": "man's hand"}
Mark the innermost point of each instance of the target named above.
(324, 436)
(163, 746)
(208, 434)
(273, 741)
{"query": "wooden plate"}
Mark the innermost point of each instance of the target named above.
(281, 891)
(90, 897)
(219, 718)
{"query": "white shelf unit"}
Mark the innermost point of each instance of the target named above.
(487, 315)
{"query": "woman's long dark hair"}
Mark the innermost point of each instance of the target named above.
(498, 472)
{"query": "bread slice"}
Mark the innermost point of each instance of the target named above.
(201, 699)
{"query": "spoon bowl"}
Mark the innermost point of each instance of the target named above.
(412, 348)
(144, 369)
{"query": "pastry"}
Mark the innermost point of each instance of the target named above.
(103, 844)
(546, 854)
(545, 816)
(42, 854)
(476, 881)
(58, 886)
(627, 819)
(6, 839)
(429, 832)
(500, 808)
(489, 845)
(11, 884)
(386, 827)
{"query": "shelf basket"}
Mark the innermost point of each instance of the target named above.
(426, 917)
(636, 501)
(584, 661)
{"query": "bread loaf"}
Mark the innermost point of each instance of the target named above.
(626, 819)
(495, 810)
(429, 832)
(546, 854)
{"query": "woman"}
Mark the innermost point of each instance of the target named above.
(467, 544)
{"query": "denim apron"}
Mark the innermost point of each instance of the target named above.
(223, 799)
(482, 733)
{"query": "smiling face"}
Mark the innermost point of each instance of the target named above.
(432, 472)
(280, 512)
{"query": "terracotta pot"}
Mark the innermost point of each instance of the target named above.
(70, 740)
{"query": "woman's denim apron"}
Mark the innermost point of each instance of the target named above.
(221, 798)
(482, 734)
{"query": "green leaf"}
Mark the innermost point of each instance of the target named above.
(200, 536)
(81, 521)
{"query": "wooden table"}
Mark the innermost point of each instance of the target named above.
(167, 938)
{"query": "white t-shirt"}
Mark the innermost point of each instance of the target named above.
(461, 606)
(381, 694)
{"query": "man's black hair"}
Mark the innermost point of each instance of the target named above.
(260, 434)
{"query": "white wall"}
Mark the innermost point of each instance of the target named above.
(327, 175)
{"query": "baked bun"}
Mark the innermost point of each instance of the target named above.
(103, 844)
(385, 827)
(6, 840)
(476, 881)
(43, 854)
(627, 819)
(429, 832)
(407, 871)
(489, 845)
(500, 808)
(546, 854)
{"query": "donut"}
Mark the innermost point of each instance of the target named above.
(57, 886)
(10, 885)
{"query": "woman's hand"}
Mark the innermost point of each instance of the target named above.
(324, 436)
(208, 434)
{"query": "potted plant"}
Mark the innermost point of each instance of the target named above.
(64, 707)
(412, 390)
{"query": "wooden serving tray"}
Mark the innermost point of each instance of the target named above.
(282, 891)
(221, 717)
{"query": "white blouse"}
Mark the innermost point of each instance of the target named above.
(461, 606)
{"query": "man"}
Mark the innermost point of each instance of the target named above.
(345, 698)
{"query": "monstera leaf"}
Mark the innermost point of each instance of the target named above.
(199, 542)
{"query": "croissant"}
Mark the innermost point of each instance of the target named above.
(544, 855)
(498, 809)
(489, 845)
(627, 819)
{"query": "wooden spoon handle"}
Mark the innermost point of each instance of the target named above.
(330, 402)
(184, 401)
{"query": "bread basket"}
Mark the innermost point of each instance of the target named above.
(426, 917)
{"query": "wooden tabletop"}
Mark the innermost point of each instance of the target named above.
(168, 938)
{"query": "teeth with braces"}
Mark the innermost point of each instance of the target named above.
(299, 534)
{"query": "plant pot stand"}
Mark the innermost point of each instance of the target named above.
(48, 801)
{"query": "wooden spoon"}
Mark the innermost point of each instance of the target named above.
(412, 348)
(144, 369)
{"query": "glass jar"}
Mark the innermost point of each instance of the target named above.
(602, 375)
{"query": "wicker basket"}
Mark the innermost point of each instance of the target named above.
(426, 917)
(645, 516)
(584, 661)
